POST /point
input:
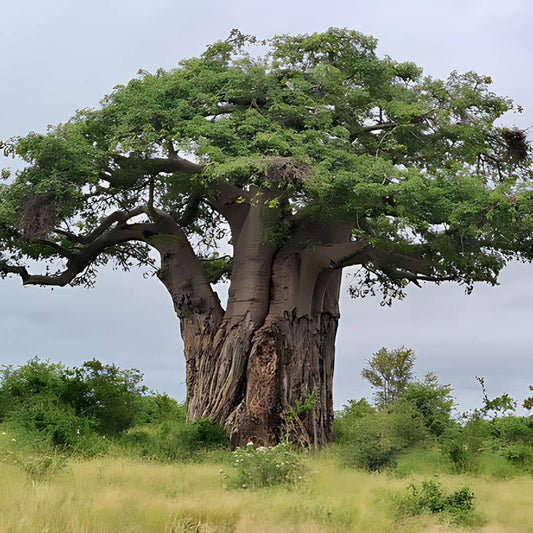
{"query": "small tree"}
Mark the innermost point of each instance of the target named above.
(389, 372)
(433, 401)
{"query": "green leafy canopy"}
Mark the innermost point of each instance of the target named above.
(417, 166)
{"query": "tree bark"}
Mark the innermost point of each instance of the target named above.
(265, 381)
(263, 367)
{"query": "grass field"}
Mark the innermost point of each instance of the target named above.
(390, 470)
(117, 494)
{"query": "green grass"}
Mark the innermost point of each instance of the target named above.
(120, 494)
(43, 489)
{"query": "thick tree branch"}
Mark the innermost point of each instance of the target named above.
(380, 126)
(77, 262)
(113, 230)
(174, 163)
(55, 246)
(339, 255)
(118, 217)
(396, 266)
(181, 270)
(233, 203)
(131, 168)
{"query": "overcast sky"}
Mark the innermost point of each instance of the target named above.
(62, 55)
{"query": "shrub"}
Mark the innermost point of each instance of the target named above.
(203, 434)
(23, 385)
(430, 497)
(374, 441)
(73, 409)
(345, 419)
(175, 439)
(520, 455)
(107, 395)
(462, 458)
(158, 408)
(433, 401)
(56, 424)
(266, 466)
(513, 429)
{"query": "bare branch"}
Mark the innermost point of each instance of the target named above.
(119, 217)
(394, 265)
(377, 127)
(55, 246)
(340, 255)
(172, 164)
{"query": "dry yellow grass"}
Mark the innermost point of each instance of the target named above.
(118, 495)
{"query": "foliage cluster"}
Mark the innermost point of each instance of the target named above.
(85, 409)
(72, 408)
(52, 412)
(374, 441)
(265, 466)
(419, 416)
(418, 166)
(429, 497)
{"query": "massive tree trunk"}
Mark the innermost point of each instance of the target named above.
(264, 366)
(265, 376)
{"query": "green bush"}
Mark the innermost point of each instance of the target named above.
(433, 401)
(180, 440)
(23, 385)
(204, 433)
(345, 419)
(157, 408)
(265, 466)
(73, 409)
(174, 439)
(373, 441)
(105, 394)
(430, 497)
(56, 424)
(513, 429)
(520, 455)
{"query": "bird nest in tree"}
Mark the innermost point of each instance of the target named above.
(516, 143)
(37, 216)
(283, 171)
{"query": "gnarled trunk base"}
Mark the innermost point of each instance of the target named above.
(270, 383)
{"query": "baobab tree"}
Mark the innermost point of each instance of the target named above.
(274, 172)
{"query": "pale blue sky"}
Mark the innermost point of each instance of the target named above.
(58, 56)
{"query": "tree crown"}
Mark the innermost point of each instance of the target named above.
(319, 130)
(389, 372)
